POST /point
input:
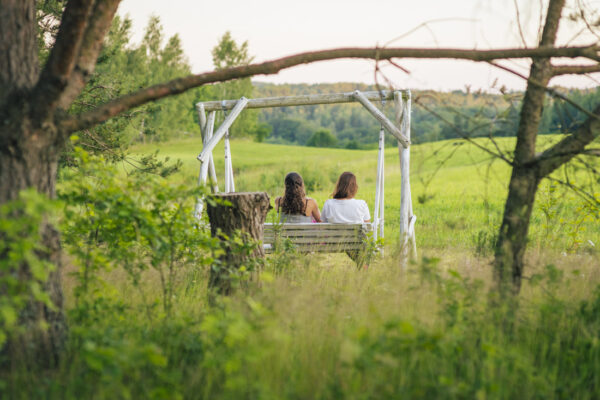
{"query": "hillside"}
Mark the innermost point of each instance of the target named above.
(458, 191)
(435, 115)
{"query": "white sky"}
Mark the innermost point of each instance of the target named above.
(275, 28)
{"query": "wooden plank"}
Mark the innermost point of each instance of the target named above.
(218, 135)
(301, 100)
(318, 226)
(379, 116)
(314, 234)
(316, 231)
(269, 249)
(329, 247)
(319, 241)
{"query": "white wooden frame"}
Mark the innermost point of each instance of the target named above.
(400, 129)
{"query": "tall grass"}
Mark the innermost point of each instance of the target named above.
(315, 327)
(321, 329)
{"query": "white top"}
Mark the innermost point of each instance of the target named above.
(348, 211)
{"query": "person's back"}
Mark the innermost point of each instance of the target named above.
(294, 207)
(344, 208)
(345, 211)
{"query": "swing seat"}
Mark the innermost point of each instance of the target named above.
(322, 237)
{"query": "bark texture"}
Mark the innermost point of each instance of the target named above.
(29, 150)
(525, 178)
(242, 213)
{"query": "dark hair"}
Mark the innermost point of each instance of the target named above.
(293, 199)
(346, 186)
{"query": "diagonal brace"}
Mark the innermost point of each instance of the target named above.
(218, 135)
(379, 116)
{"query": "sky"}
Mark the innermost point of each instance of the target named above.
(276, 28)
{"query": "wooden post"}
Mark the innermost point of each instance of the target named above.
(227, 160)
(204, 166)
(206, 127)
(243, 213)
(206, 135)
(382, 193)
(403, 107)
(378, 188)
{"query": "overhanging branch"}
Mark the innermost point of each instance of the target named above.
(93, 38)
(180, 85)
(60, 65)
(575, 69)
(569, 147)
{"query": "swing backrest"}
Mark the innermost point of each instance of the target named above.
(323, 237)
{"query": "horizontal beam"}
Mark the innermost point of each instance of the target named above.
(303, 100)
(379, 116)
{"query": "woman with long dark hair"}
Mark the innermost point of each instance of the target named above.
(294, 206)
(344, 208)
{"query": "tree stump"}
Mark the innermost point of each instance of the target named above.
(242, 214)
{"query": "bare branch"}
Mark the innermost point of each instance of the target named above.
(519, 23)
(570, 146)
(551, 91)
(58, 69)
(555, 8)
(462, 134)
(426, 25)
(97, 28)
(575, 69)
(180, 85)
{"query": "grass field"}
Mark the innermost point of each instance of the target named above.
(313, 326)
(458, 189)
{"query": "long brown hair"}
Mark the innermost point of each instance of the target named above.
(346, 186)
(293, 199)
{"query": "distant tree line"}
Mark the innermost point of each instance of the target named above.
(435, 115)
(124, 66)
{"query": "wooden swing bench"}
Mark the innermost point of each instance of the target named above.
(322, 237)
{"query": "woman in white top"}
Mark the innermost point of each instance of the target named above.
(344, 208)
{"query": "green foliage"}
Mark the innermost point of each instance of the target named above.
(263, 131)
(313, 327)
(226, 54)
(322, 138)
(21, 224)
(138, 223)
(122, 68)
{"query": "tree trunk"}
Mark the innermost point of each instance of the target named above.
(29, 150)
(512, 238)
(30, 162)
(243, 213)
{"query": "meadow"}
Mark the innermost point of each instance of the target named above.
(314, 326)
(458, 189)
